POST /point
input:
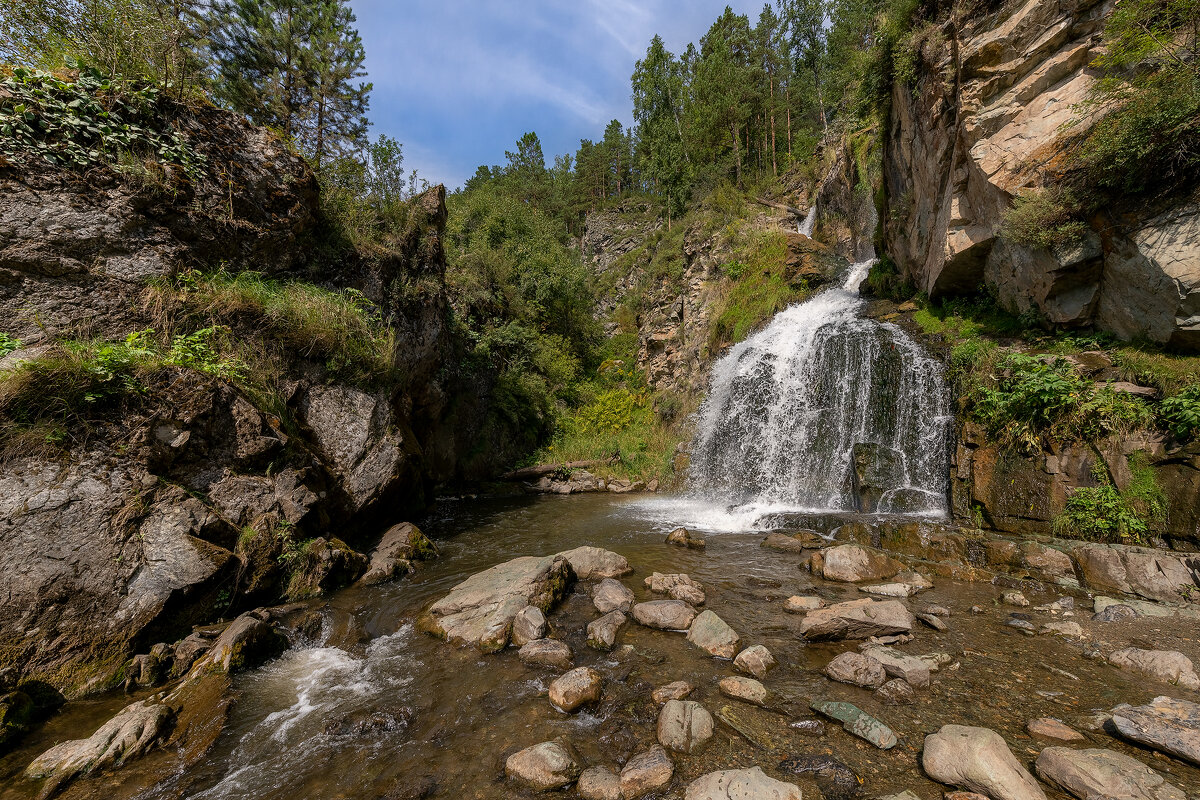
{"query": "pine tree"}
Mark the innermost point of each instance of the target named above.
(336, 121)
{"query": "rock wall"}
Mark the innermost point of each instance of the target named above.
(983, 122)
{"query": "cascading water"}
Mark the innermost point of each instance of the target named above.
(810, 219)
(823, 410)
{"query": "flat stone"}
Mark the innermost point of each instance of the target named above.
(602, 633)
(1066, 628)
(546, 653)
(612, 595)
(851, 563)
(915, 671)
(1166, 724)
(1050, 728)
(1143, 607)
(740, 784)
(932, 621)
(905, 584)
(684, 726)
(746, 689)
(599, 783)
(711, 634)
(594, 563)
(857, 723)
(856, 669)
(677, 586)
(682, 537)
(1098, 773)
(802, 605)
(797, 543)
(977, 759)
(529, 624)
(857, 619)
(675, 690)
(896, 692)
(649, 770)
(1166, 665)
(577, 688)
(756, 661)
(664, 615)
(544, 766)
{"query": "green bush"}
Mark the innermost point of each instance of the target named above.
(1180, 415)
(1044, 219)
(1101, 513)
(8, 344)
(612, 411)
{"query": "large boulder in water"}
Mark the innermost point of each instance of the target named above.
(1165, 724)
(544, 766)
(480, 610)
(1103, 773)
(857, 619)
(977, 759)
(851, 563)
(400, 545)
(594, 563)
(876, 470)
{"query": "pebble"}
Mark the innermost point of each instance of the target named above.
(599, 783)
(676, 690)
(745, 689)
(1050, 728)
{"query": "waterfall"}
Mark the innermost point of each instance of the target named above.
(823, 410)
(810, 219)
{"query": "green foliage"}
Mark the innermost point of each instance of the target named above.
(8, 344)
(1102, 513)
(611, 411)
(1180, 414)
(1044, 219)
(197, 351)
(760, 288)
(884, 281)
(76, 124)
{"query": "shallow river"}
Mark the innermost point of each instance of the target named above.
(373, 709)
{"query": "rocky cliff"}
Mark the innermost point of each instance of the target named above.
(994, 106)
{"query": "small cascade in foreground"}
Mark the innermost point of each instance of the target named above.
(810, 220)
(823, 410)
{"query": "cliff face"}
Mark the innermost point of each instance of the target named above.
(984, 121)
(189, 505)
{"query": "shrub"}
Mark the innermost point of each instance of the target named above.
(1044, 219)
(1101, 513)
(8, 344)
(612, 411)
(1180, 415)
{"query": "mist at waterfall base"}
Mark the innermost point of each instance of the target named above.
(789, 408)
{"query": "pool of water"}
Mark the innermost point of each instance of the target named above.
(374, 709)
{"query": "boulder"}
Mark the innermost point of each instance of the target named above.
(649, 770)
(857, 723)
(594, 563)
(480, 610)
(747, 690)
(323, 566)
(602, 633)
(802, 605)
(1050, 728)
(1165, 665)
(246, 643)
(579, 687)
(1013, 598)
(977, 759)
(132, 733)
(740, 784)
(684, 726)
(856, 669)
(755, 661)
(932, 621)
(1097, 773)
(665, 615)
(675, 690)
(896, 692)
(599, 783)
(1165, 724)
(17, 713)
(544, 766)
(857, 619)
(612, 595)
(682, 537)
(711, 634)
(393, 557)
(913, 670)
(546, 653)
(677, 587)
(851, 563)
(528, 625)
(794, 543)
(1151, 574)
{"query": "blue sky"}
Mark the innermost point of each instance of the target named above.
(458, 81)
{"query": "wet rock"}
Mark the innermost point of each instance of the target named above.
(677, 586)
(544, 766)
(857, 619)
(599, 783)
(682, 537)
(1166, 724)
(594, 563)
(736, 784)
(146, 670)
(964, 796)
(602, 633)
(745, 689)
(851, 563)
(794, 543)
(528, 625)
(399, 547)
(1022, 625)
(1014, 599)
(480, 610)
(246, 643)
(856, 669)
(756, 661)
(896, 692)
(684, 726)
(933, 621)
(711, 634)
(370, 723)
(906, 584)
(646, 772)
(1165, 665)
(1115, 613)
(546, 653)
(664, 615)
(132, 733)
(857, 723)
(1149, 574)
(323, 566)
(612, 595)
(913, 670)
(1050, 728)
(835, 780)
(676, 690)
(1100, 773)
(977, 759)
(808, 727)
(802, 605)
(938, 611)
(187, 651)
(1066, 628)
(579, 687)
(16, 715)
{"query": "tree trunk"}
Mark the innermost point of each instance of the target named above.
(737, 151)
